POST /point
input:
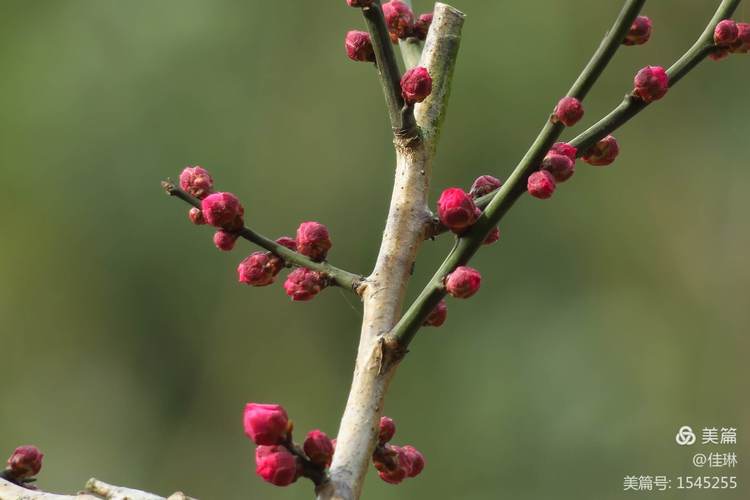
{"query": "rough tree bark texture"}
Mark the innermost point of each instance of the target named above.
(95, 490)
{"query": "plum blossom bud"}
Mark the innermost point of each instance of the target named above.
(560, 166)
(483, 185)
(492, 237)
(463, 282)
(313, 240)
(318, 448)
(276, 465)
(726, 33)
(394, 476)
(359, 46)
(258, 269)
(392, 463)
(568, 111)
(651, 83)
(422, 26)
(303, 284)
(640, 31)
(196, 216)
(196, 181)
(541, 184)
(719, 53)
(742, 45)
(286, 241)
(25, 462)
(223, 210)
(225, 240)
(387, 429)
(603, 152)
(415, 460)
(416, 85)
(438, 315)
(359, 3)
(399, 18)
(456, 210)
(564, 148)
(266, 424)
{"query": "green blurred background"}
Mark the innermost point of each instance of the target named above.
(609, 316)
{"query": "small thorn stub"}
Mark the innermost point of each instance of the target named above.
(651, 83)
(399, 19)
(541, 184)
(726, 33)
(313, 240)
(438, 315)
(196, 181)
(603, 152)
(422, 26)
(276, 465)
(318, 448)
(568, 111)
(265, 424)
(304, 284)
(483, 185)
(224, 240)
(463, 282)
(416, 85)
(456, 210)
(25, 462)
(359, 46)
(640, 31)
(258, 269)
(196, 216)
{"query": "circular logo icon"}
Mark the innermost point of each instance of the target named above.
(685, 436)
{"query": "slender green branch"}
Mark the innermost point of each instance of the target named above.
(339, 277)
(402, 118)
(411, 51)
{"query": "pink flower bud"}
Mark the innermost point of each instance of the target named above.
(258, 269)
(196, 181)
(223, 210)
(313, 240)
(266, 424)
(541, 184)
(742, 45)
(566, 149)
(416, 85)
(276, 465)
(304, 284)
(225, 240)
(463, 282)
(569, 111)
(456, 210)
(483, 185)
(387, 429)
(318, 448)
(415, 460)
(286, 241)
(603, 152)
(493, 237)
(196, 216)
(438, 315)
(651, 83)
(726, 33)
(560, 166)
(422, 26)
(25, 462)
(719, 53)
(359, 3)
(640, 31)
(359, 46)
(399, 18)
(394, 476)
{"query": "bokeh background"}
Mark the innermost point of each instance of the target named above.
(609, 316)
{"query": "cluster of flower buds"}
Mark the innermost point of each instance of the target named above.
(568, 111)
(457, 209)
(395, 463)
(23, 464)
(640, 31)
(400, 19)
(730, 37)
(558, 165)
(277, 459)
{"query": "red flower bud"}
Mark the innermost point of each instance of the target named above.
(265, 424)
(196, 216)
(742, 45)
(387, 429)
(276, 465)
(258, 269)
(359, 46)
(483, 185)
(456, 210)
(640, 31)
(463, 282)
(313, 240)
(438, 315)
(719, 53)
(399, 18)
(415, 460)
(568, 111)
(359, 3)
(541, 184)
(225, 240)
(394, 476)
(416, 85)
(304, 284)
(318, 448)
(25, 462)
(422, 26)
(223, 210)
(603, 152)
(566, 149)
(492, 237)
(651, 83)
(286, 241)
(726, 33)
(196, 181)
(560, 166)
